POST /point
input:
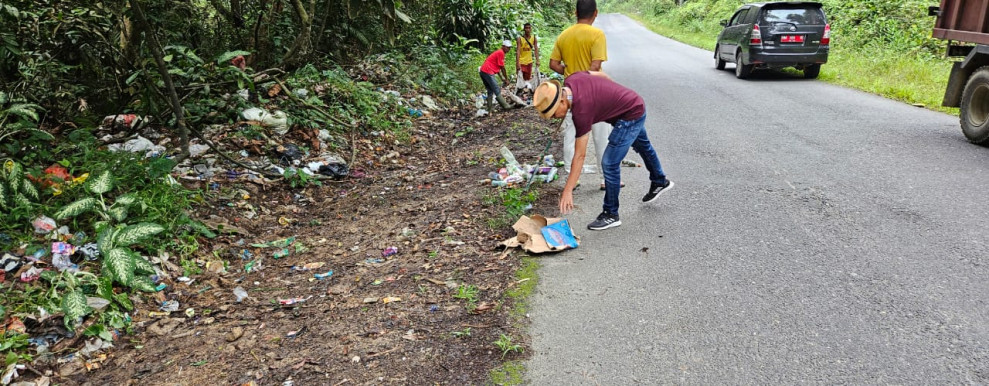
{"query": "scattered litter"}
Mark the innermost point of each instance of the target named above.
(287, 302)
(308, 266)
(97, 303)
(321, 276)
(631, 164)
(139, 145)
(43, 225)
(281, 243)
(31, 274)
(169, 306)
(10, 374)
(281, 253)
(240, 293)
(391, 299)
(559, 235)
(429, 103)
(160, 287)
(91, 251)
(370, 300)
(530, 236)
(196, 150)
(190, 312)
(389, 251)
(10, 263)
(277, 121)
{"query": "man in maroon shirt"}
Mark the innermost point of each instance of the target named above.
(593, 97)
(495, 64)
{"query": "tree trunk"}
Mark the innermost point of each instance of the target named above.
(303, 43)
(173, 97)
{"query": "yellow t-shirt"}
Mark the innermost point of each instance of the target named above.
(525, 47)
(578, 45)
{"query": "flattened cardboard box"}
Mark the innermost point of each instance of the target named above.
(529, 235)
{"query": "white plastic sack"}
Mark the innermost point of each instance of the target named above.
(277, 121)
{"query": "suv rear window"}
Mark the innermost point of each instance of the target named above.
(805, 16)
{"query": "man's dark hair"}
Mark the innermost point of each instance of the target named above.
(526, 25)
(586, 8)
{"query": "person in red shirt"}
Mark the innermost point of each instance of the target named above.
(592, 97)
(495, 64)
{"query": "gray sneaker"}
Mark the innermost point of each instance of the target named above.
(655, 190)
(605, 220)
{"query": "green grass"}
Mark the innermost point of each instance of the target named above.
(908, 78)
(527, 276)
(509, 373)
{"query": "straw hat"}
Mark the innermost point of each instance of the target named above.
(547, 98)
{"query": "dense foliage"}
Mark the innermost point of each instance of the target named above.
(71, 55)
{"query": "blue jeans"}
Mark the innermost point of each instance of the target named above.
(625, 134)
(491, 84)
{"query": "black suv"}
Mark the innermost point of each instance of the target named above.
(775, 35)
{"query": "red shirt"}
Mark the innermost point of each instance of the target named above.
(494, 63)
(597, 99)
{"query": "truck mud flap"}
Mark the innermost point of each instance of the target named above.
(956, 85)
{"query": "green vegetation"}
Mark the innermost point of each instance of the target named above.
(527, 276)
(469, 293)
(513, 202)
(879, 46)
(509, 373)
(504, 343)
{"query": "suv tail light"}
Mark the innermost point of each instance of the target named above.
(755, 39)
(826, 39)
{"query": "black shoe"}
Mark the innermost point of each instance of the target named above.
(655, 190)
(605, 220)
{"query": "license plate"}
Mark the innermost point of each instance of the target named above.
(792, 39)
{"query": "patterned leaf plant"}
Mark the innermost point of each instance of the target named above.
(15, 189)
(114, 237)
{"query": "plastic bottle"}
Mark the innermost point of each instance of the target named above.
(509, 158)
(548, 160)
(499, 183)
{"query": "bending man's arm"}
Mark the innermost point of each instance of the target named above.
(559, 67)
(580, 152)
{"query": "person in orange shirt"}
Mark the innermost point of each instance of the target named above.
(581, 47)
(495, 64)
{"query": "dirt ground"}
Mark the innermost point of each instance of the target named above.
(377, 319)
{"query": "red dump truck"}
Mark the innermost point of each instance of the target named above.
(965, 24)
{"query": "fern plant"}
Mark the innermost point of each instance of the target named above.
(114, 236)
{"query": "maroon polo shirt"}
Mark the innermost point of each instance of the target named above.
(597, 99)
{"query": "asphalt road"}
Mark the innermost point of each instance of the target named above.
(816, 234)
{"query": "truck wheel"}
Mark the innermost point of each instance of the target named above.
(974, 113)
(812, 71)
(718, 62)
(742, 71)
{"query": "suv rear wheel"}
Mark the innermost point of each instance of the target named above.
(742, 71)
(718, 62)
(812, 71)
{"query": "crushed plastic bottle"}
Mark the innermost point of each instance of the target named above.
(240, 293)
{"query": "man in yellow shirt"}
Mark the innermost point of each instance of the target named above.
(528, 48)
(581, 47)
